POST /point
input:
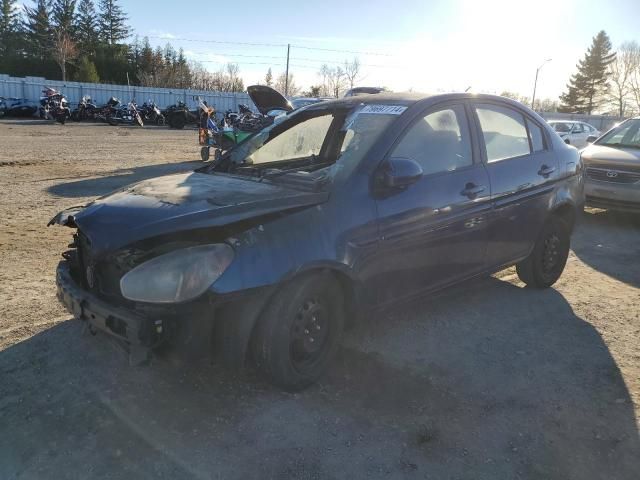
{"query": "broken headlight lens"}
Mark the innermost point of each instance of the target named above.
(177, 276)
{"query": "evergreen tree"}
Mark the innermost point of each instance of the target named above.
(113, 22)
(86, 71)
(9, 27)
(588, 87)
(63, 14)
(86, 27)
(38, 29)
(268, 78)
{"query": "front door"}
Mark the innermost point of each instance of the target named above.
(435, 230)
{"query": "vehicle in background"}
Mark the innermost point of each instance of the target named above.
(54, 106)
(179, 115)
(86, 110)
(17, 107)
(300, 102)
(126, 115)
(612, 164)
(573, 132)
(354, 92)
(331, 211)
(150, 113)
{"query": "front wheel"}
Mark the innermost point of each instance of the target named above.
(299, 332)
(545, 264)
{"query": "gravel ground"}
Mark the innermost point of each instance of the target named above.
(507, 383)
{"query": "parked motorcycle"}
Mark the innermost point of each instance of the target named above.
(126, 115)
(54, 106)
(86, 110)
(151, 113)
(179, 115)
(16, 107)
(107, 110)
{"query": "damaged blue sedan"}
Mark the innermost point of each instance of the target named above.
(333, 211)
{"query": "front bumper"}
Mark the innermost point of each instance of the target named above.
(610, 195)
(132, 328)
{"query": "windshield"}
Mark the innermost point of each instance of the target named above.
(311, 141)
(627, 135)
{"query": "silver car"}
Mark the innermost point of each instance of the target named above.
(573, 132)
(612, 165)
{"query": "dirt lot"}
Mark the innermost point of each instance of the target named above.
(486, 381)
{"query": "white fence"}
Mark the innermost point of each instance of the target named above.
(31, 89)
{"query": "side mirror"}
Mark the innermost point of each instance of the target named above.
(591, 138)
(399, 172)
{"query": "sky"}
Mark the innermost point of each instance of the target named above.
(426, 46)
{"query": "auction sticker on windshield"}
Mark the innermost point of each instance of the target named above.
(384, 109)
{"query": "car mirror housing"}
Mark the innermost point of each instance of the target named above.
(400, 172)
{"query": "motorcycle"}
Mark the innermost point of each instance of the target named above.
(108, 110)
(126, 115)
(179, 115)
(16, 107)
(151, 113)
(54, 106)
(86, 110)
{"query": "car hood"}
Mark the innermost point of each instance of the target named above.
(181, 202)
(267, 99)
(608, 155)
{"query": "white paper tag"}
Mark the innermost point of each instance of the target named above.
(384, 109)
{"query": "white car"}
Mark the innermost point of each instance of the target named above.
(573, 132)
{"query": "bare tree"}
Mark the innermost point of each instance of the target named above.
(280, 85)
(352, 71)
(63, 51)
(621, 71)
(333, 80)
(634, 76)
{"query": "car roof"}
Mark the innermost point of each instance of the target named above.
(407, 99)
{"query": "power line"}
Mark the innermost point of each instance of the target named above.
(344, 51)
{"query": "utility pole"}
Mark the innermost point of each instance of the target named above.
(535, 83)
(286, 74)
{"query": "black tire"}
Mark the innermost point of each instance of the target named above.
(545, 264)
(160, 120)
(204, 153)
(177, 122)
(299, 331)
(112, 121)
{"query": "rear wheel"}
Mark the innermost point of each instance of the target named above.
(177, 121)
(204, 153)
(545, 264)
(160, 120)
(298, 333)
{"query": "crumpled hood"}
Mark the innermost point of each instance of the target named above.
(177, 203)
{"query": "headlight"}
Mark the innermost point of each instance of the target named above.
(177, 276)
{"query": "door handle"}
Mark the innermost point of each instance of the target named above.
(545, 171)
(471, 190)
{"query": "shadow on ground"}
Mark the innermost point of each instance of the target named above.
(602, 242)
(508, 383)
(93, 187)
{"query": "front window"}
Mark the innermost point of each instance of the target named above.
(310, 141)
(627, 135)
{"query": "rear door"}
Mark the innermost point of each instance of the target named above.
(434, 231)
(522, 170)
(579, 135)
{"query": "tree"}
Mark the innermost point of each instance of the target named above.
(38, 29)
(621, 72)
(352, 71)
(112, 22)
(268, 78)
(86, 71)
(63, 51)
(589, 86)
(9, 27)
(333, 80)
(314, 91)
(63, 14)
(86, 27)
(634, 77)
(282, 85)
